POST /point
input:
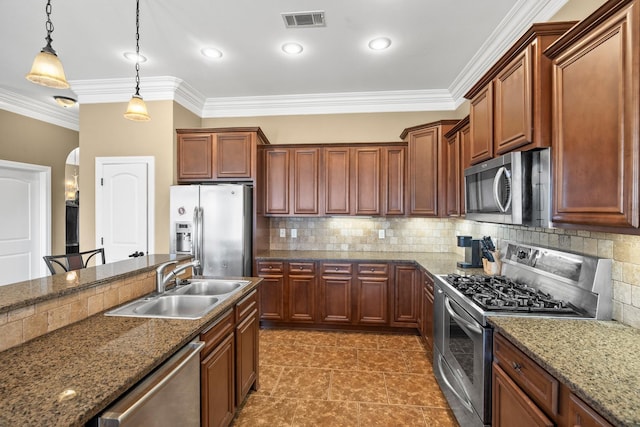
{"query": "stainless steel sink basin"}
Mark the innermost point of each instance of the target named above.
(210, 287)
(168, 307)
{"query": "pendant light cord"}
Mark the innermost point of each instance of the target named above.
(137, 47)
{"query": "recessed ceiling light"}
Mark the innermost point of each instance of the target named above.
(65, 101)
(292, 48)
(211, 52)
(380, 43)
(133, 57)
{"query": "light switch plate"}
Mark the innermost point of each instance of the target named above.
(283, 232)
(380, 234)
(294, 233)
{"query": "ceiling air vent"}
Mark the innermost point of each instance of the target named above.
(304, 19)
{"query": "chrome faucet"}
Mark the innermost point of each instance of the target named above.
(162, 279)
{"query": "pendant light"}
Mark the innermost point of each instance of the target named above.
(47, 68)
(137, 109)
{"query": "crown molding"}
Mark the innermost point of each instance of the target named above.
(49, 113)
(329, 103)
(100, 91)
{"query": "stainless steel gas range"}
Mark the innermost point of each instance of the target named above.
(535, 281)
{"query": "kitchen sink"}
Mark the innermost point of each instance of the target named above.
(210, 287)
(168, 307)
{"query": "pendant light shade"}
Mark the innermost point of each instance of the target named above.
(137, 109)
(47, 69)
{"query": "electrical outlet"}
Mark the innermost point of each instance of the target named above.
(294, 233)
(283, 232)
(380, 234)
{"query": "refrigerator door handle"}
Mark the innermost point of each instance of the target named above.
(200, 241)
(195, 247)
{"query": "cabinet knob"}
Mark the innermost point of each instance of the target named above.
(270, 267)
(337, 268)
(373, 269)
(300, 267)
(516, 366)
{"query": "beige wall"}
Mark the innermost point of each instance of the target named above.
(32, 141)
(106, 133)
(335, 128)
(575, 10)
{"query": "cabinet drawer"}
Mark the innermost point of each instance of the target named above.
(373, 269)
(246, 306)
(302, 268)
(270, 267)
(336, 268)
(581, 414)
(428, 283)
(215, 333)
(534, 381)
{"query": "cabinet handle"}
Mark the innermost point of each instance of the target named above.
(300, 267)
(517, 366)
(337, 268)
(373, 269)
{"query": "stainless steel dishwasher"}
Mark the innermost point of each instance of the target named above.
(170, 396)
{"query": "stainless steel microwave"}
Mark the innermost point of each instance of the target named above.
(511, 189)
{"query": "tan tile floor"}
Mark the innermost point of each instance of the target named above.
(313, 378)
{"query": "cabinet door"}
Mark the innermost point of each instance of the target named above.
(272, 298)
(305, 181)
(511, 406)
(335, 299)
(336, 181)
(301, 298)
(481, 122)
(234, 155)
(276, 198)
(465, 158)
(217, 385)
(581, 414)
(195, 157)
(366, 181)
(513, 104)
(371, 300)
(595, 143)
(423, 172)
(427, 312)
(406, 295)
(246, 356)
(454, 176)
(393, 174)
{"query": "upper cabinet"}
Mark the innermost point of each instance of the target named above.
(510, 106)
(334, 179)
(596, 147)
(426, 174)
(223, 154)
(457, 149)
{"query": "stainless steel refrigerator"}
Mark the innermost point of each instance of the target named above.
(213, 223)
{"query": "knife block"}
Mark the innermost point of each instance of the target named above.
(472, 252)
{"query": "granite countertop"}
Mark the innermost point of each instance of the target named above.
(22, 294)
(433, 262)
(598, 360)
(99, 358)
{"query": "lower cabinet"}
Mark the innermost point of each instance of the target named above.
(406, 295)
(336, 283)
(525, 394)
(229, 362)
(372, 290)
(425, 322)
(301, 289)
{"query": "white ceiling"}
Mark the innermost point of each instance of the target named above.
(439, 49)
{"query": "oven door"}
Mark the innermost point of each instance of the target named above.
(463, 359)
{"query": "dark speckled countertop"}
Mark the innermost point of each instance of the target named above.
(599, 361)
(99, 358)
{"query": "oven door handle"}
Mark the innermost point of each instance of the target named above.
(465, 400)
(463, 322)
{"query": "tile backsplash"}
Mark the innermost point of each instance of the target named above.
(439, 235)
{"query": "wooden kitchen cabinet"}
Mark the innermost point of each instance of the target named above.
(457, 143)
(581, 414)
(393, 178)
(247, 342)
(337, 184)
(220, 154)
(425, 322)
(336, 284)
(510, 106)
(372, 289)
(272, 295)
(595, 120)
(406, 295)
(217, 381)
(366, 177)
(301, 284)
(305, 181)
(426, 167)
(276, 175)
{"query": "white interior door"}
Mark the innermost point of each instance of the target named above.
(123, 206)
(26, 221)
